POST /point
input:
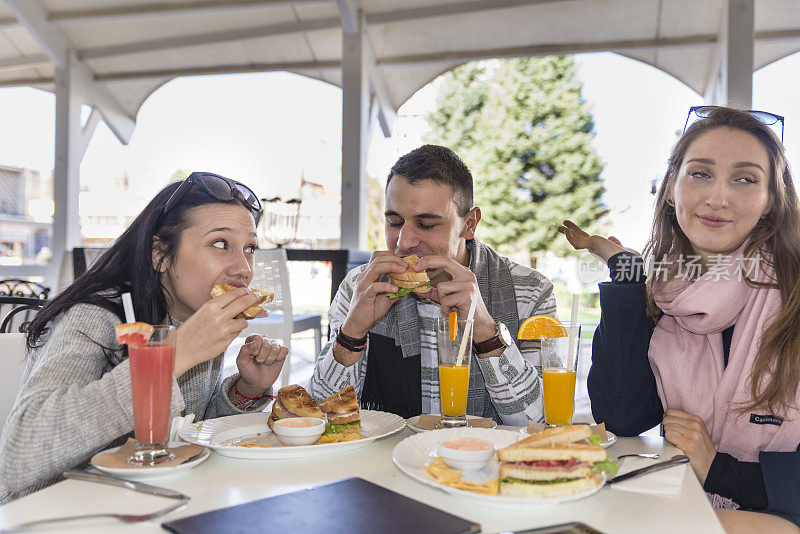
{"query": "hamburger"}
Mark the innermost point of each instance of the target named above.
(410, 281)
(293, 401)
(264, 297)
(344, 418)
(555, 462)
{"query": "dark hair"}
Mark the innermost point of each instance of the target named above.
(776, 371)
(438, 164)
(128, 265)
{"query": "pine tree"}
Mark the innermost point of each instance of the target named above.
(525, 132)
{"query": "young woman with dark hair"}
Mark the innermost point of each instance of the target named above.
(708, 342)
(75, 398)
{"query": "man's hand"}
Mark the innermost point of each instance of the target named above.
(370, 302)
(209, 330)
(455, 294)
(689, 433)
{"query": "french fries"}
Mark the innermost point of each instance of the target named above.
(443, 474)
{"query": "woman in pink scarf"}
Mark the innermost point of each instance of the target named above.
(709, 344)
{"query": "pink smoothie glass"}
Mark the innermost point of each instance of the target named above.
(151, 387)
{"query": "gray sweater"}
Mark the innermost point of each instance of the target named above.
(74, 401)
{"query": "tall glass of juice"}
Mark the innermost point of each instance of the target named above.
(559, 364)
(453, 374)
(151, 387)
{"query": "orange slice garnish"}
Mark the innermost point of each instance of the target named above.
(453, 320)
(541, 326)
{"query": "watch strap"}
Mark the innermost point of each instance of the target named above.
(493, 343)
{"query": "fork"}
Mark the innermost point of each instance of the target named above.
(652, 456)
(125, 518)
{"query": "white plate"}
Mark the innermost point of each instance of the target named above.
(411, 454)
(412, 422)
(220, 434)
(151, 473)
(611, 438)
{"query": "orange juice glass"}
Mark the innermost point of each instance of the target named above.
(559, 365)
(453, 375)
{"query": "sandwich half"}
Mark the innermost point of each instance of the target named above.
(264, 297)
(344, 418)
(556, 462)
(293, 401)
(410, 281)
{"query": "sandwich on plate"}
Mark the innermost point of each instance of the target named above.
(293, 401)
(344, 418)
(556, 462)
(410, 281)
(264, 297)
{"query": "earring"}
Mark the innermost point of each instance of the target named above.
(670, 202)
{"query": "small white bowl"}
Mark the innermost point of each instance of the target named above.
(465, 454)
(298, 435)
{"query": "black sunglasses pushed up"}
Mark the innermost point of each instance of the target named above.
(217, 187)
(702, 112)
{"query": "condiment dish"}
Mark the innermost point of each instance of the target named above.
(298, 430)
(466, 454)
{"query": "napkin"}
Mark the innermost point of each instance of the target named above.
(177, 424)
(600, 429)
(118, 459)
(428, 422)
(665, 483)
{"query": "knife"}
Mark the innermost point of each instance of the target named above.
(135, 486)
(675, 460)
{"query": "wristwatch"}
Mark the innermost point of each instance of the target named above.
(501, 339)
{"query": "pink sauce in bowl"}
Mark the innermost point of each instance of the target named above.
(296, 422)
(466, 453)
(467, 444)
(298, 430)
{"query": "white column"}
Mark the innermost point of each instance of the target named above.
(731, 80)
(66, 175)
(355, 138)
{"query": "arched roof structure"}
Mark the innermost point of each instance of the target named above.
(132, 47)
(112, 54)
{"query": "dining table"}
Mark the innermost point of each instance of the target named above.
(223, 481)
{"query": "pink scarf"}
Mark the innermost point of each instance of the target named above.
(687, 358)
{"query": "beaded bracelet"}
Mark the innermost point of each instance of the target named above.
(245, 399)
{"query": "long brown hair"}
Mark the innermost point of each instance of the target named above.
(776, 372)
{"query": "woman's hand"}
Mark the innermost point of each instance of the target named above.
(688, 432)
(209, 330)
(598, 245)
(259, 361)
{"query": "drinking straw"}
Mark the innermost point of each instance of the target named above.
(127, 305)
(573, 331)
(467, 329)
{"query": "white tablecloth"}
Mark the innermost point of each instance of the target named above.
(222, 481)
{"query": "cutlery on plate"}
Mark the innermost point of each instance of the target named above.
(653, 456)
(675, 460)
(103, 478)
(126, 518)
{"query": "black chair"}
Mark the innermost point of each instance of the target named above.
(15, 287)
(20, 314)
(19, 301)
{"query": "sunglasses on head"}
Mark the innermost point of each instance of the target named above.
(702, 112)
(217, 187)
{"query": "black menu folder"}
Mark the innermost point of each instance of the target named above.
(350, 506)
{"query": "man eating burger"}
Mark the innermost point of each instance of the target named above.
(384, 336)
